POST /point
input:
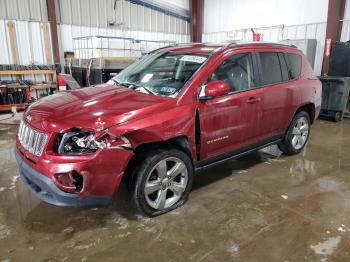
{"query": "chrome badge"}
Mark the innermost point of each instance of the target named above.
(29, 118)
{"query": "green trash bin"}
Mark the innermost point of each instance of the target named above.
(335, 96)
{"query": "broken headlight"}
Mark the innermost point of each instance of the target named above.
(80, 142)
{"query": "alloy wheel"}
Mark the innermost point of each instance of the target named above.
(300, 133)
(166, 183)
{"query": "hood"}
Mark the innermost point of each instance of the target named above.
(93, 108)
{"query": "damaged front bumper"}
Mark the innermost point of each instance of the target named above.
(102, 175)
(46, 190)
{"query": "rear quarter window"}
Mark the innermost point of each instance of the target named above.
(294, 65)
(270, 68)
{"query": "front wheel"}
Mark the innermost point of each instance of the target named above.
(297, 134)
(162, 181)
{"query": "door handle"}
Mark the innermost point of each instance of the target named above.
(253, 100)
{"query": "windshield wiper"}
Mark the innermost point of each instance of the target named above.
(147, 89)
(126, 84)
(133, 86)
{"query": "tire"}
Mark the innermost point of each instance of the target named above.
(337, 117)
(154, 191)
(297, 134)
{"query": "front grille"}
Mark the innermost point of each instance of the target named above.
(32, 141)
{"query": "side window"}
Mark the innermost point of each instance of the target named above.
(237, 71)
(294, 65)
(270, 68)
(284, 67)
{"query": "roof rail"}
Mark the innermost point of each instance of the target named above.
(233, 43)
(174, 45)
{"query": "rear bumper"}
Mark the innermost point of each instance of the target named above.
(46, 190)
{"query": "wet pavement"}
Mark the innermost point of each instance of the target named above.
(258, 208)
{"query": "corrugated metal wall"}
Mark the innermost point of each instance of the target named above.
(82, 18)
(277, 33)
(345, 34)
(27, 10)
(225, 15)
(118, 14)
(29, 44)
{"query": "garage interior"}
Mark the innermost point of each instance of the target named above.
(262, 207)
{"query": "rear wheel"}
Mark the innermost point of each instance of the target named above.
(297, 134)
(162, 181)
(337, 116)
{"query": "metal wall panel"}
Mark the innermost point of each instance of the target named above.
(119, 14)
(29, 45)
(277, 33)
(4, 43)
(29, 42)
(77, 11)
(147, 19)
(236, 14)
(28, 10)
(160, 22)
(345, 34)
(133, 17)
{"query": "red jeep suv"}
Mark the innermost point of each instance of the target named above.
(177, 110)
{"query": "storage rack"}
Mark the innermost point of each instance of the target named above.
(19, 73)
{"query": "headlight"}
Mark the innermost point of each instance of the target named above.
(82, 142)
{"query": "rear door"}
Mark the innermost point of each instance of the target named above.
(277, 94)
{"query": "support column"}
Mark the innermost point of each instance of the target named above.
(334, 28)
(196, 20)
(51, 11)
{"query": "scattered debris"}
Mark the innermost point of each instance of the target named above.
(342, 228)
(124, 235)
(239, 172)
(327, 247)
(4, 232)
(13, 183)
(122, 222)
(83, 247)
(67, 231)
(232, 247)
(277, 160)
(284, 196)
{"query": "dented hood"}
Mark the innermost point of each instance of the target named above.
(93, 108)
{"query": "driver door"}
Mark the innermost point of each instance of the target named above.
(231, 121)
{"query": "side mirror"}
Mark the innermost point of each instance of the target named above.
(213, 89)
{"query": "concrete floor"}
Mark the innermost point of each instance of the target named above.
(259, 208)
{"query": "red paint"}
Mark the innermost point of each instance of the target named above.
(60, 81)
(256, 37)
(328, 46)
(238, 119)
(216, 88)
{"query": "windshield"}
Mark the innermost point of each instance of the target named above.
(159, 73)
